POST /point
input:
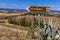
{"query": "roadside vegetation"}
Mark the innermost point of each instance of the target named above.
(20, 22)
(24, 21)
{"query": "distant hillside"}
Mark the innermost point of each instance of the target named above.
(22, 10)
(17, 10)
(55, 11)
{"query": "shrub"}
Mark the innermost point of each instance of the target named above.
(21, 22)
(24, 22)
(36, 23)
(41, 24)
(10, 20)
(51, 15)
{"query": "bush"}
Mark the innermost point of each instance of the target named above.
(11, 20)
(41, 24)
(51, 15)
(21, 22)
(24, 22)
(36, 23)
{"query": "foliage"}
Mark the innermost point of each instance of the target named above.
(41, 24)
(36, 23)
(51, 15)
(11, 20)
(21, 22)
(24, 22)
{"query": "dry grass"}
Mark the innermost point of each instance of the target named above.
(4, 21)
(15, 26)
(6, 14)
(30, 17)
(13, 35)
(10, 35)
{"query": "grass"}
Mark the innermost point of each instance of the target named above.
(14, 26)
(11, 34)
(7, 24)
(3, 21)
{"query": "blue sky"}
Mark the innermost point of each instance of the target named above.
(23, 4)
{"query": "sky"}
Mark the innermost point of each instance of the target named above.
(23, 4)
